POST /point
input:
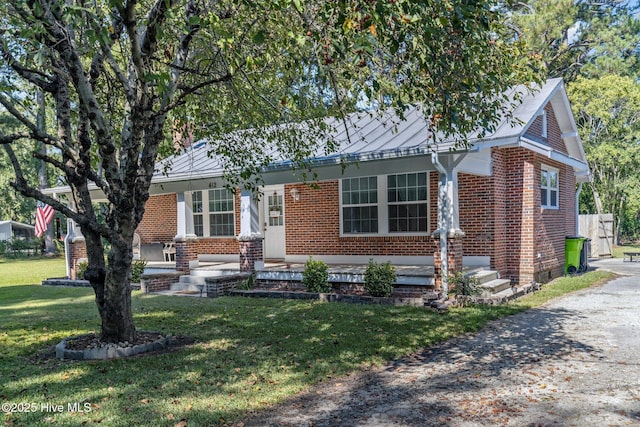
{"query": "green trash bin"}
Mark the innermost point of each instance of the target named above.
(573, 251)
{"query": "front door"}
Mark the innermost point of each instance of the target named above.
(274, 235)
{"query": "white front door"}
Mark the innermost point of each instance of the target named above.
(274, 235)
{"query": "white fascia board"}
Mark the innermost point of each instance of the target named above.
(581, 168)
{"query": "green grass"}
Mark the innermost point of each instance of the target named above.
(619, 250)
(30, 270)
(248, 354)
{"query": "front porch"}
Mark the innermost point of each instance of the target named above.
(213, 279)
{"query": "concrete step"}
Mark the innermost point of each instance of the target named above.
(187, 287)
(484, 276)
(494, 286)
(181, 293)
(195, 280)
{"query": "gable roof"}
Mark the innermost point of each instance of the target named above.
(366, 137)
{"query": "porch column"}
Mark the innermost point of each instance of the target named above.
(448, 254)
(250, 239)
(75, 249)
(186, 252)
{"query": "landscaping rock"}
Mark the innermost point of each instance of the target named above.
(89, 347)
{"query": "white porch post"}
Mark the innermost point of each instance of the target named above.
(448, 209)
(186, 253)
(249, 215)
(185, 219)
(250, 238)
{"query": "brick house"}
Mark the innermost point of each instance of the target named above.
(506, 203)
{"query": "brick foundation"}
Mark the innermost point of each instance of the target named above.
(454, 258)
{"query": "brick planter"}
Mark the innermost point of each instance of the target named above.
(221, 285)
(158, 281)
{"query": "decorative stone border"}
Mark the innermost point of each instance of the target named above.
(66, 282)
(110, 351)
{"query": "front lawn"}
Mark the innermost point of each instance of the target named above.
(249, 353)
(30, 270)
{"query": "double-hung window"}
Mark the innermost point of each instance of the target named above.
(213, 213)
(360, 205)
(549, 186)
(385, 204)
(407, 198)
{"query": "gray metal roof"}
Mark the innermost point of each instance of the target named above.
(367, 136)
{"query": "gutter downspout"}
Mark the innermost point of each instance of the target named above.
(578, 208)
(444, 256)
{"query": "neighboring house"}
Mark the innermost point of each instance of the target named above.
(506, 203)
(12, 230)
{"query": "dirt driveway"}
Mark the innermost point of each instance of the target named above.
(572, 362)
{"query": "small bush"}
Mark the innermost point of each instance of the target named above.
(461, 284)
(379, 279)
(248, 284)
(82, 268)
(137, 268)
(315, 276)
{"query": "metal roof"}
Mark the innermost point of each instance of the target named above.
(369, 136)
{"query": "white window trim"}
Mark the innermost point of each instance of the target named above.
(206, 214)
(550, 169)
(383, 209)
(544, 124)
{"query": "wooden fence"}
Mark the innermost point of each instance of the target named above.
(599, 228)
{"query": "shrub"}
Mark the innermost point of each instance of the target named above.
(247, 284)
(461, 284)
(137, 268)
(82, 267)
(379, 279)
(315, 276)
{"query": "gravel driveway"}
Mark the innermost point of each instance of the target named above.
(572, 362)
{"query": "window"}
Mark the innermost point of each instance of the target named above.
(549, 187)
(386, 204)
(197, 206)
(221, 214)
(407, 197)
(360, 205)
(219, 217)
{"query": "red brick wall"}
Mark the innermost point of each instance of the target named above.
(554, 224)
(77, 251)
(160, 220)
(160, 224)
(502, 216)
(313, 228)
(554, 134)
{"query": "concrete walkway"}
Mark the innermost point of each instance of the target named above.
(572, 362)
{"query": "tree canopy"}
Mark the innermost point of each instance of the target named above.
(119, 76)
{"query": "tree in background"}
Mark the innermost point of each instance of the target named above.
(582, 37)
(609, 124)
(13, 205)
(115, 72)
(595, 46)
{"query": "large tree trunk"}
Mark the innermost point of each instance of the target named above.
(111, 285)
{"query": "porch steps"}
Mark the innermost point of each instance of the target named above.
(490, 284)
(196, 281)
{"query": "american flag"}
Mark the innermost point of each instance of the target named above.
(44, 215)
